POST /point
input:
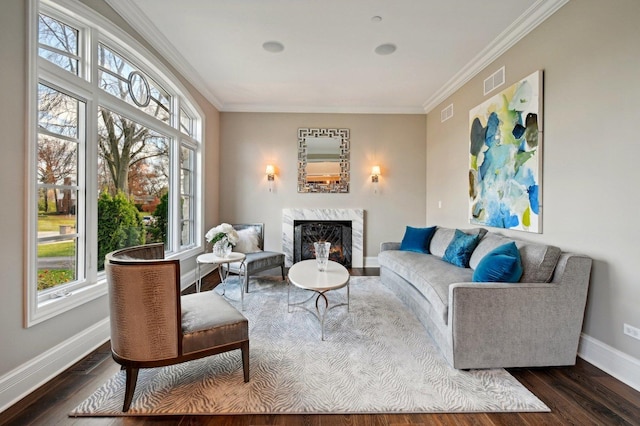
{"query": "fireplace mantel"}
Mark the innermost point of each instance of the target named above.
(356, 216)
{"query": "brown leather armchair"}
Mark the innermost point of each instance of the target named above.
(152, 325)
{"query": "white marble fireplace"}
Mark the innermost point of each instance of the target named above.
(355, 216)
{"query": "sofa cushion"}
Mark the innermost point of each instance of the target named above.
(430, 275)
(417, 239)
(501, 264)
(460, 249)
(443, 236)
(538, 260)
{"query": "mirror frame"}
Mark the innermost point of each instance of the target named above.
(343, 135)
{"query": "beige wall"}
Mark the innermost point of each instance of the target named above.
(250, 141)
(591, 61)
(18, 344)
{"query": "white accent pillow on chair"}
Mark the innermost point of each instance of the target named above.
(247, 241)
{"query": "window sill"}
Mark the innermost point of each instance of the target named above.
(50, 308)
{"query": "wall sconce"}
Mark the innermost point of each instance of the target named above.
(271, 176)
(375, 177)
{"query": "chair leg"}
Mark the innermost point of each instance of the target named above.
(246, 282)
(132, 377)
(245, 360)
(282, 268)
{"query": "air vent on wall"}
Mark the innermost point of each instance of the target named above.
(494, 80)
(446, 113)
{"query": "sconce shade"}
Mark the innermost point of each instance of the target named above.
(375, 174)
(270, 170)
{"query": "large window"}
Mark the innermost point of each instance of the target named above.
(114, 157)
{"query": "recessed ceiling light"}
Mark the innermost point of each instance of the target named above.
(273, 46)
(376, 18)
(385, 49)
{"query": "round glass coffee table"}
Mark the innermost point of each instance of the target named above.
(305, 275)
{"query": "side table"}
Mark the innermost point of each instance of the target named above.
(212, 259)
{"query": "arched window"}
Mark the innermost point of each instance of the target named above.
(114, 156)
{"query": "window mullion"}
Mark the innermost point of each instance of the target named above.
(114, 104)
(91, 159)
(59, 51)
(174, 191)
(63, 81)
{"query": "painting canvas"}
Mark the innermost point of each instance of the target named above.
(505, 167)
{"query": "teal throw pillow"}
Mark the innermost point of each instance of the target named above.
(502, 264)
(460, 249)
(417, 239)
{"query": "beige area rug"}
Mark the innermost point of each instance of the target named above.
(377, 358)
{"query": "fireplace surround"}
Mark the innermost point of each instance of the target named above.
(353, 216)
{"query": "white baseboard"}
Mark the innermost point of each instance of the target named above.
(610, 360)
(28, 377)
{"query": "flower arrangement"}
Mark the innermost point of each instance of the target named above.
(223, 237)
(222, 232)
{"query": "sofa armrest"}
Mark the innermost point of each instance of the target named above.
(389, 246)
(512, 325)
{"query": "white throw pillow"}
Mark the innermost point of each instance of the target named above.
(247, 241)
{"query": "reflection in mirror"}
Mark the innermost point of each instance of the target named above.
(323, 160)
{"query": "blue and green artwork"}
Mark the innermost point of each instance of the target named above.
(505, 139)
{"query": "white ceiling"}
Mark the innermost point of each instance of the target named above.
(328, 63)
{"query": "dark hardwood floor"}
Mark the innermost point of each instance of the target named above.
(578, 395)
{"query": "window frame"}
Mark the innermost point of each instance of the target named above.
(80, 184)
(94, 29)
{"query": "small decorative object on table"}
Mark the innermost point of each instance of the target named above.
(322, 254)
(224, 238)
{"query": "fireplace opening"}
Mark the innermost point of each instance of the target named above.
(336, 232)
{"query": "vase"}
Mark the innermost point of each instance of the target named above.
(322, 254)
(222, 248)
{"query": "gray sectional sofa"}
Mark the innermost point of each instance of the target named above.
(534, 322)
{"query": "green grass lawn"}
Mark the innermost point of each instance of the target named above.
(65, 248)
(52, 278)
(51, 222)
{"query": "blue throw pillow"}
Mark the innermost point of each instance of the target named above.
(502, 264)
(417, 239)
(460, 249)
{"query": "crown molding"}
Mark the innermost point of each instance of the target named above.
(141, 23)
(527, 22)
(320, 109)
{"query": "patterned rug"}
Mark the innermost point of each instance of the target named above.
(377, 358)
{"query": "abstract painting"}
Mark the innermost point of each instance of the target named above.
(505, 167)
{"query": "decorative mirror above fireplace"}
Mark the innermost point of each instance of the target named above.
(323, 160)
